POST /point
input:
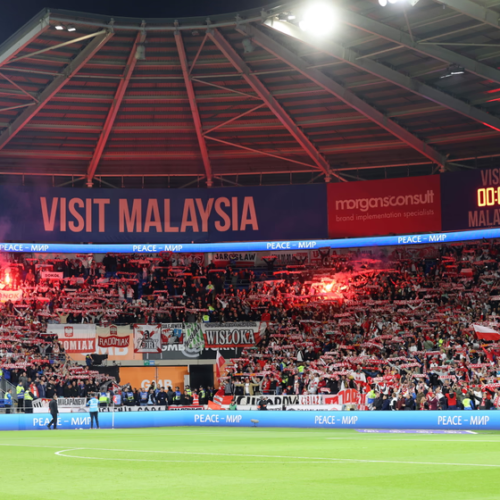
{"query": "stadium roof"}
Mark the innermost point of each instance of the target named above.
(251, 98)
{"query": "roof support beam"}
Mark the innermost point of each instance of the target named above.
(258, 87)
(57, 84)
(388, 74)
(194, 107)
(473, 10)
(394, 35)
(265, 153)
(58, 46)
(23, 37)
(344, 95)
(113, 110)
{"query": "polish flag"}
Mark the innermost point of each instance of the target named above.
(219, 363)
(485, 333)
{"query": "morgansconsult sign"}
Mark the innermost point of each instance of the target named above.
(398, 206)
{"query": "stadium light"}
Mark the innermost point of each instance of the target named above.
(248, 46)
(383, 3)
(319, 19)
(71, 27)
(140, 52)
(453, 69)
(59, 27)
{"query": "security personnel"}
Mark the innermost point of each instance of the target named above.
(117, 399)
(188, 392)
(20, 396)
(28, 401)
(103, 400)
(7, 399)
(203, 396)
(206, 318)
(177, 396)
(284, 379)
(129, 398)
(196, 398)
(144, 397)
(467, 402)
(301, 369)
(93, 405)
(1, 374)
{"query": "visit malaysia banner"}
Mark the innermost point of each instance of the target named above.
(163, 215)
(399, 206)
(471, 200)
(242, 334)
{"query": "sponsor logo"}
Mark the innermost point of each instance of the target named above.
(365, 204)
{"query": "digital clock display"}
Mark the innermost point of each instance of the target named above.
(488, 197)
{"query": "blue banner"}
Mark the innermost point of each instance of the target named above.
(422, 420)
(253, 246)
(162, 216)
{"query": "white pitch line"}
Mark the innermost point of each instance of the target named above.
(418, 440)
(62, 454)
(399, 462)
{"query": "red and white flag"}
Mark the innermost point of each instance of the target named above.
(219, 363)
(486, 333)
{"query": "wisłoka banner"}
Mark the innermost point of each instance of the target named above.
(163, 216)
(242, 334)
(398, 206)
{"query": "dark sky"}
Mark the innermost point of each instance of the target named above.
(15, 13)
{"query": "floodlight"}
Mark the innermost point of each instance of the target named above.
(319, 19)
(382, 3)
(393, 1)
(452, 70)
(71, 27)
(140, 52)
(59, 27)
(248, 46)
(291, 17)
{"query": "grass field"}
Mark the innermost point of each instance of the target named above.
(253, 463)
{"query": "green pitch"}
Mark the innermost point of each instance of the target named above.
(251, 463)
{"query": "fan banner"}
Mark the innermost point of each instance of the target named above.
(147, 338)
(193, 337)
(75, 338)
(12, 295)
(108, 337)
(242, 334)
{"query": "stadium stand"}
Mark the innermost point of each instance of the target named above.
(407, 329)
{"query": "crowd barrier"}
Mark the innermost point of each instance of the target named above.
(424, 420)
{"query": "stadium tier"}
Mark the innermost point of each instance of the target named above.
(390, 329)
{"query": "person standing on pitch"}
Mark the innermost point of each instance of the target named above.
(93, 405)
(54, 410)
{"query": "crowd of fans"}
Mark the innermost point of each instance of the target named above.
(396, 324)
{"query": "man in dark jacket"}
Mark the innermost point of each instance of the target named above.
(161, 398)
(54, 410)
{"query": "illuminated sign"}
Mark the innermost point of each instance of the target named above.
(255, 246)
